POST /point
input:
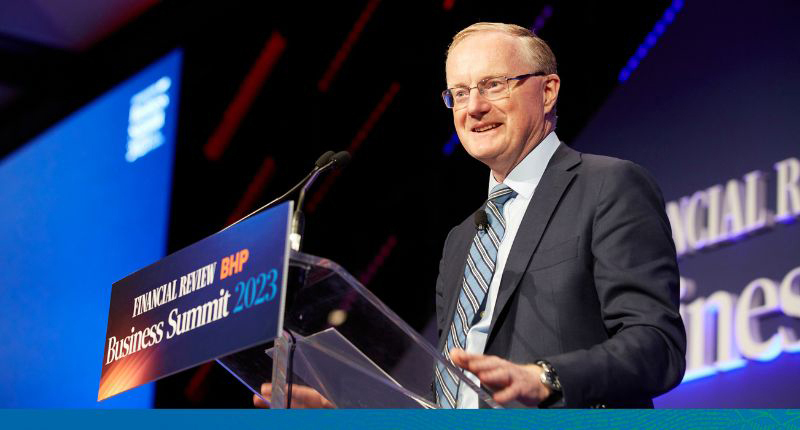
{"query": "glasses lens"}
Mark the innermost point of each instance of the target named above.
(494, 87)
(460, 96)
(447, 96)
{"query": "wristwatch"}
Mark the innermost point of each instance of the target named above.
(549, 379)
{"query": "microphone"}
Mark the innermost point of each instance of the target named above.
(325, 161)
(481, 219)
(336, 161)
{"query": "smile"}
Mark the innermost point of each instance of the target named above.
(486, 128)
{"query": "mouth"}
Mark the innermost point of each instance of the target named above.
(485, 128)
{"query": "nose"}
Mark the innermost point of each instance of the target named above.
(478, 105)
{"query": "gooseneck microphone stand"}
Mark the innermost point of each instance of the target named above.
(327, 161)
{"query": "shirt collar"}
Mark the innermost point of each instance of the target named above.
(526, 175)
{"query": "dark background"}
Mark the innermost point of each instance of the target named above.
(262, 72)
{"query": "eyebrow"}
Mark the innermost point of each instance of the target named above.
(460, 85)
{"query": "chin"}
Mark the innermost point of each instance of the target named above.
(483, 152)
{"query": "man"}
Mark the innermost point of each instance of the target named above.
(566, 293)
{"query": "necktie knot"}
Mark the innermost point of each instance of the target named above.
(501, 193)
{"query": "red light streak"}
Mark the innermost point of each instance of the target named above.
(362, 134)
(251, 85)
(253, 190)
(378, 261)
(325, 82)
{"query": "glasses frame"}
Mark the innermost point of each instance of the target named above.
(482, 91)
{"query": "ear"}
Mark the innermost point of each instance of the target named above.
(550, 93)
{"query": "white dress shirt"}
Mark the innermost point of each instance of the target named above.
(523, 179)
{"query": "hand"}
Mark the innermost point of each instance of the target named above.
(509, 381)
(302, 398)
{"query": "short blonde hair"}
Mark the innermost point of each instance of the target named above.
(539, 54)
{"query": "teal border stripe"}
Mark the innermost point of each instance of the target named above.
(394, 419)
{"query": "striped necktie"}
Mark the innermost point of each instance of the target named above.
(474, 285)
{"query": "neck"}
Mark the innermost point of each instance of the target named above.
(500, 173)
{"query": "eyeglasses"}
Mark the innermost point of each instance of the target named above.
(493, 88)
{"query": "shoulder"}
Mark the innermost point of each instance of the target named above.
(608, 179)
(606, 165)
(566, 158)
(623, 191)
(611, 172)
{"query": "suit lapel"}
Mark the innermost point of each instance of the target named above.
(552, 186)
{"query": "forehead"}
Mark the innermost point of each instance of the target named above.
(485, 54)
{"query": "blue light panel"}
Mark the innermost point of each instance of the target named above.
(84, 204)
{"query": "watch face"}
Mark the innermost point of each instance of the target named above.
(548, 378)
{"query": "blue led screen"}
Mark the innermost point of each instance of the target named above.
(83, 205)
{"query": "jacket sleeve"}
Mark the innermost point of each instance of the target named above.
(441, 306)
(636, 278)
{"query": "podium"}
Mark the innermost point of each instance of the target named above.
(341, 341)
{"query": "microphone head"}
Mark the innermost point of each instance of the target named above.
(481, 219)
(324, 159)
(340, 159)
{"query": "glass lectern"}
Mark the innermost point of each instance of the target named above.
(341, 341)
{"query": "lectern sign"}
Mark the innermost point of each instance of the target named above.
(217, 296)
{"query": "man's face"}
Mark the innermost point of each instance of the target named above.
(502, 132)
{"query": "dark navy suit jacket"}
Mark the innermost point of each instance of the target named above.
(590, 284)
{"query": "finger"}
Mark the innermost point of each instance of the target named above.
(259, 402)
(307, 397)
(460, 357)
(507, 394)
(498, 377)
(266, 389)
(304, 392)
(464, 359)
(482, 363)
